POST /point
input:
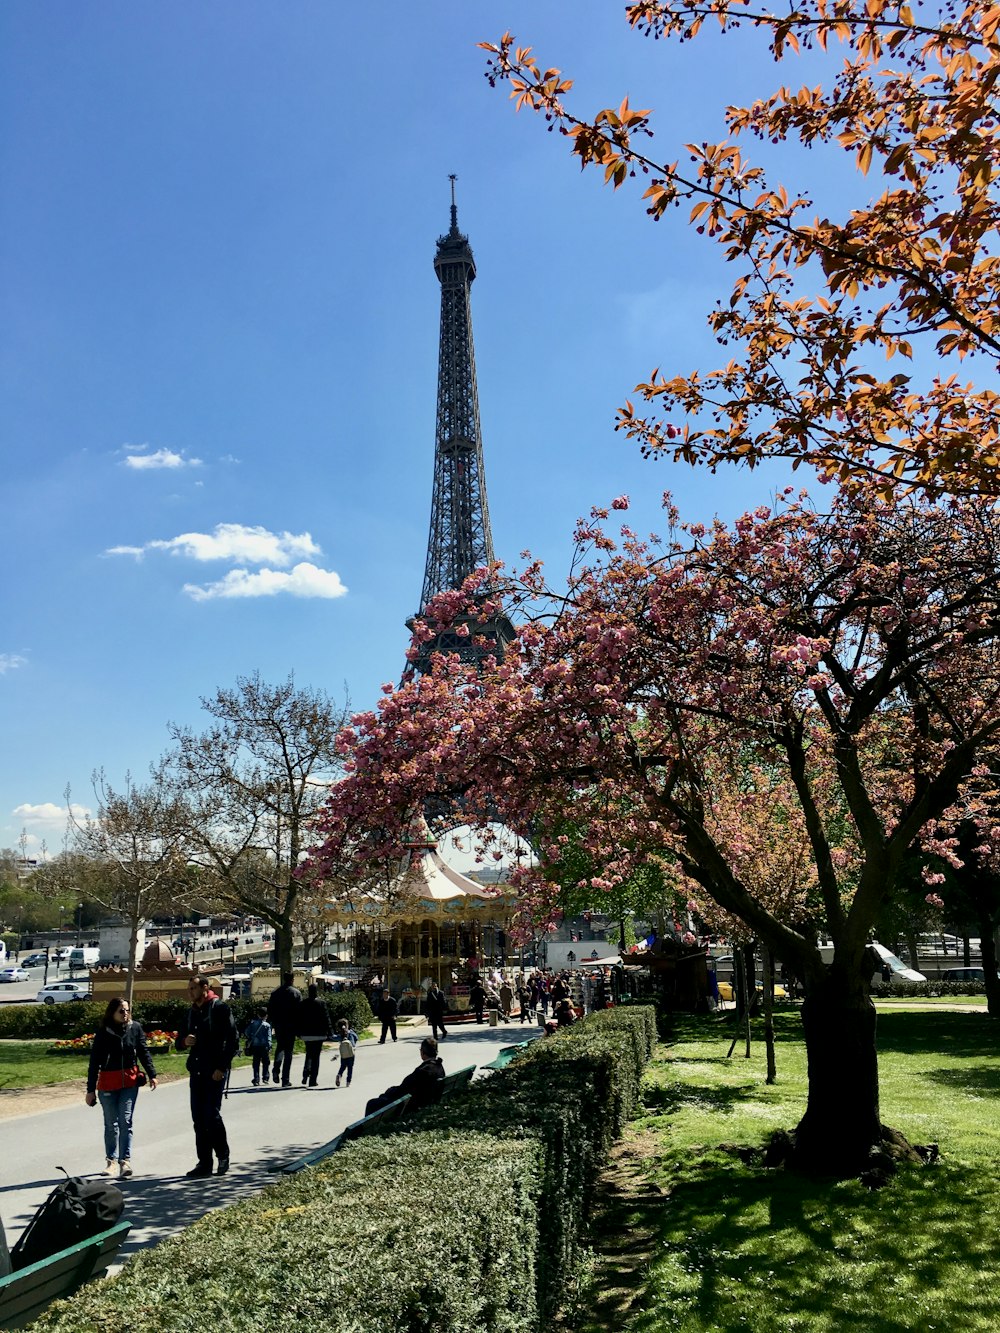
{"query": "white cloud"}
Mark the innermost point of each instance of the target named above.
(44, 824)
(305, 580)
(47, 812)
(160, 458)
(10, 662)
(232, 541)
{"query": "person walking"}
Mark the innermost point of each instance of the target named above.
(506, 999)
(208, 1034)
(283, 1013)
(388, 1008)
(314, 1029)
(524, 999)
(436, 1006)
(477, 999)
(259, 1036)
(113, 1076)
(348, 1041)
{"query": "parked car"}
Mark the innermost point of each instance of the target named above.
(34, 960)
(963, 974)
(61, 992)
(13, 974)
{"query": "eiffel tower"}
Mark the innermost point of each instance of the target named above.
(460, 540)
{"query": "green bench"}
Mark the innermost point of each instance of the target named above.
(455, 1082)
(356, 1130)
(26, 1293)
(507, 1053)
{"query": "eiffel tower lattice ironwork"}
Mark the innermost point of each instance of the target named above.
(460, 540)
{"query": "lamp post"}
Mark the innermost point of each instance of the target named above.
(79, 920)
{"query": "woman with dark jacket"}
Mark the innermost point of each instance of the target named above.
(118, 1049)
(314, 1029)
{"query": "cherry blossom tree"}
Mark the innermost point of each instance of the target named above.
(852, 652)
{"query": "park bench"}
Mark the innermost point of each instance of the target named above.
(26, 1293)
(507, 1053)
(455, 1082)
(356, 1130)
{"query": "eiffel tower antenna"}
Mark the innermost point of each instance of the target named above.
(460, 539)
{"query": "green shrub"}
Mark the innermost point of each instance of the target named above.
(24, 1021)
(417, 1234)
(904, 990)
(572, 1092)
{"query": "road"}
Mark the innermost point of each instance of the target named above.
(266, 1127)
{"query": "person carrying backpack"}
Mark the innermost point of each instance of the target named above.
(259, 1036)
(208, 1034)
(113, 1077)
(347, 1041)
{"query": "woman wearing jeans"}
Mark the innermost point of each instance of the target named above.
(118, 1049)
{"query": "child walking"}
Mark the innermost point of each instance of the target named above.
(348, 1039)
(259, 1036)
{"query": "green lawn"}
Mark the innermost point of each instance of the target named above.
(28, 1064)
(694, 1239)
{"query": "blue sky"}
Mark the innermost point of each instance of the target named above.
(219, 350)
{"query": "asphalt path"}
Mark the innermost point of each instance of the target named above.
(266, 1126)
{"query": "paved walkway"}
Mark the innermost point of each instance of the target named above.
(266, 1127)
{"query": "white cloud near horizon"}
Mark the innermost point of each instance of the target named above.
(160, 458)
(232, 541)
(10, 662)
(47, 811)
(304, 580)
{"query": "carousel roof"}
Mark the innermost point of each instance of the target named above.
(428, 887)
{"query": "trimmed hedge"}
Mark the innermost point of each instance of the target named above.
(421, 1234)
(886, 990)
(471, 1216)
(24, 1021)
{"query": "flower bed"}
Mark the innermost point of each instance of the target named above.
(157, 1040)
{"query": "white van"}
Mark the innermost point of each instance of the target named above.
(88, 956)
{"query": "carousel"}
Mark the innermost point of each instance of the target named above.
(432, 923)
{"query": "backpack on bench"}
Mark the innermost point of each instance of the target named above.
(74, 1211)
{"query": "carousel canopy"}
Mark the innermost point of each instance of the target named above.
(426, 887)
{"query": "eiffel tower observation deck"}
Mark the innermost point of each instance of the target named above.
(460, 540)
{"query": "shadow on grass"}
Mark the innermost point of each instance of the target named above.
(970, 1033)
(736, 1249)
(662, 1099)
(977, 1080)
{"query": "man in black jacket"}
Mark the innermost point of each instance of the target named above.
(436, 1006)
(423, 1085)
(283, 1014)
(388, 1007)
(208, 1034)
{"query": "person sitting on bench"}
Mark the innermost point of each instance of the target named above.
(423, 1085)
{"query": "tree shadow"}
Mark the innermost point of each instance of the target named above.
(662, 1099)
(748, 1249)
(977, 1080)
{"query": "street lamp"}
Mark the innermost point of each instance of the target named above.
(79, 919)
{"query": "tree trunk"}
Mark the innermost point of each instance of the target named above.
(841, 1125)
(283, 947)
(911, 949)
(133, 943)
(966, 952)
(988, 956)
(767, 964)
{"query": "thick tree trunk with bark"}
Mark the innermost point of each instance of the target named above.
(283, 947)
(841, 1125)
(988, 953)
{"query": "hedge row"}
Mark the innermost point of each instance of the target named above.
(423, 1235)
(885, 990)
(470, 1217)
(73, 1020)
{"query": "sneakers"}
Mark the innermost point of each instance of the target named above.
(125, 1169)
(110, 1167)
(222, 1168)
(337, 1084)
(201, 1170)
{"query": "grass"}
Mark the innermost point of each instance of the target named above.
(695, 1239)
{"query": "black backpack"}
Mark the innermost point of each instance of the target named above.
(74, 1211)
